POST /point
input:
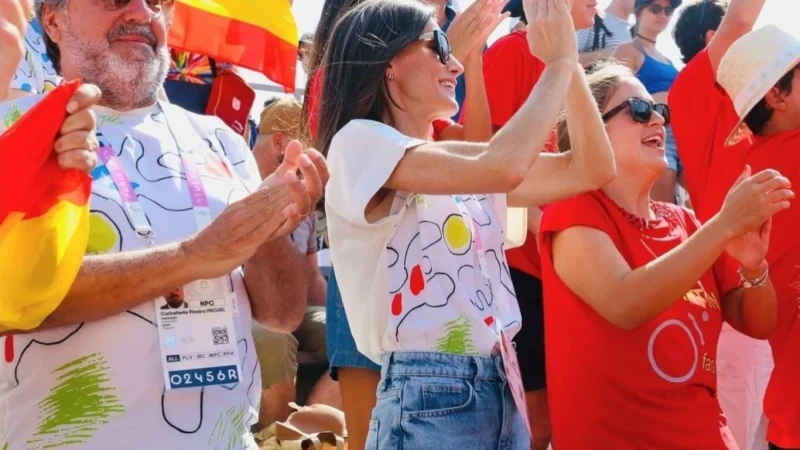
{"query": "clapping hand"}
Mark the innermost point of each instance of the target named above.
(551, 33)
(313, 177)
(470, 30)
(274, 210)
(748, 211)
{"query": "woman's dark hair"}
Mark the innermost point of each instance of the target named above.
(758, 117)
(332, 11)
(361, 46)
(694, 23)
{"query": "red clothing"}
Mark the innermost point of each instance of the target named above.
(510, 73)
(312, 98)
(703, 116)
(654, 387)
(314, 93)
(440, 125)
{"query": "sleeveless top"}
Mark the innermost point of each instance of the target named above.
(656, 76)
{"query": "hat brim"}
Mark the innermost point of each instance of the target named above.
(741, 131)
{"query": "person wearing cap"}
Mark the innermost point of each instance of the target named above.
(278, 352)
(754, 100)
(702, 117)
(657, 73)
(609, 31)
(510, 73)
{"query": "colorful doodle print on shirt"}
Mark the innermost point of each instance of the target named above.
(81, 401)
(439, 258)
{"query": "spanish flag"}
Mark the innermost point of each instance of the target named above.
(44, 216)
(256, 34)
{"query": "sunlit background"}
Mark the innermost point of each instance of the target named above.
(784, 13)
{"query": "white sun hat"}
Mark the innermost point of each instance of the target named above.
(752, 66)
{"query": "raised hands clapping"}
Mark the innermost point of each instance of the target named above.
(470, 30)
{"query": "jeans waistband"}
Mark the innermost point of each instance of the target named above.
(442, 365)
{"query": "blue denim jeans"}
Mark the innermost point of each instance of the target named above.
(341, 347)
(673, 160)
(442, 401)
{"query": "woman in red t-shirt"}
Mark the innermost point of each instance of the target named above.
(636, 291)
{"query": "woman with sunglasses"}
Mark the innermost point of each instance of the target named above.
(657, 73)
(631, 338)
(416, 227)
(357, 375)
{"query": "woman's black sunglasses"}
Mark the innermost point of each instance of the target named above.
(440, 44)
(641, 110)
(657, 9)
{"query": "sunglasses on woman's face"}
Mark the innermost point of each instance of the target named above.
(658, 9)
(641, 110)
(439, 44)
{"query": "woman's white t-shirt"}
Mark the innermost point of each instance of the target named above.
(414, 280)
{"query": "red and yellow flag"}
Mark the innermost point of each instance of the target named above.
(256, 34)
(44, 216)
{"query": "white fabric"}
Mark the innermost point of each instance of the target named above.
(620, 34)
(99, 385)
(411, 281)
(35, 73)
(744, 366)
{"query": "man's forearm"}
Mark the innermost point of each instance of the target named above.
(739, 20)
(110, 284)
(743, 12)
(277, 283)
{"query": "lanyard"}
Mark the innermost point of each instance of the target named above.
(133, 207)
(479, 249)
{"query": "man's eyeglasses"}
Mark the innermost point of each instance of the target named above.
(658, 9)
(155, 5)
(641, 110)
(440, 44)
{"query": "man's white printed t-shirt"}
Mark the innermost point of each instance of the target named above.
(99, 385)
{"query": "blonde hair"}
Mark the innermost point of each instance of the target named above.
(603, 80)
(283, 116)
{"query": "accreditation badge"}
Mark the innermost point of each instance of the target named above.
(197, 336)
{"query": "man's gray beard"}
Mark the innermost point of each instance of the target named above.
(126, 84)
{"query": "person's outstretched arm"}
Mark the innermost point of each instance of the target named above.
(738, 21)
(588, 166)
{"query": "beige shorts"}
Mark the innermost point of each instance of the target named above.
(277, 352)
